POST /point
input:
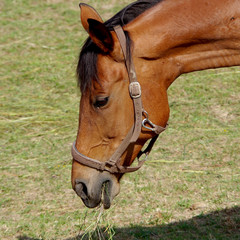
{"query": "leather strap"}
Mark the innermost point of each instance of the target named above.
(102, 166)
(134, 86)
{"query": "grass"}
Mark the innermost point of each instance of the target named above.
(190, 187)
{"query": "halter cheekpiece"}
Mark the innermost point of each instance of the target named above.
(113, 164)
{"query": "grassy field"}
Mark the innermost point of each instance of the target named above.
(190, 187)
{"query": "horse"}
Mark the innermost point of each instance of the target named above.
(124, 70)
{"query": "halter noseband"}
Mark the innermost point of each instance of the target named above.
(113, 164)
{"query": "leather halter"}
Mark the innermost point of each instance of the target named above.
(113, 164)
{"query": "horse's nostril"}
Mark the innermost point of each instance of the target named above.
(81, 190)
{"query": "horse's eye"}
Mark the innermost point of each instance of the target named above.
(100, 102)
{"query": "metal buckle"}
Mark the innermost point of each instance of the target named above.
(135, 90)
(146, 120)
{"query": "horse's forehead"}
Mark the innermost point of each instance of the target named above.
(109, 71)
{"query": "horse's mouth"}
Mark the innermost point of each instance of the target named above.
(106, 194)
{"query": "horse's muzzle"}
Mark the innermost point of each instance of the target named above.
(103, 190)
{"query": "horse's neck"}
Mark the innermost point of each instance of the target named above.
(193, 34)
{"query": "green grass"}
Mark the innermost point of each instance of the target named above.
(190, 187)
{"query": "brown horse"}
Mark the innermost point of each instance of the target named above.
(154, 43)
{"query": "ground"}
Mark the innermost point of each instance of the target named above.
(189, 188)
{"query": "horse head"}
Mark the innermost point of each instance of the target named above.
(125, 69)
(107, 112)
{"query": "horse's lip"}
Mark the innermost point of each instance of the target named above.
(105, 198)
(106, 195)
(91, 204)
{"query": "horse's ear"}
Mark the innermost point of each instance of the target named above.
(86, 13)
(94, 25)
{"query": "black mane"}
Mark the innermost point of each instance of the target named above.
(87, 63)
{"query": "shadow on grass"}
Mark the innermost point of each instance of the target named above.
(224, 224)
(219, 225)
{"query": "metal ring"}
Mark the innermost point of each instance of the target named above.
(146, 120)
